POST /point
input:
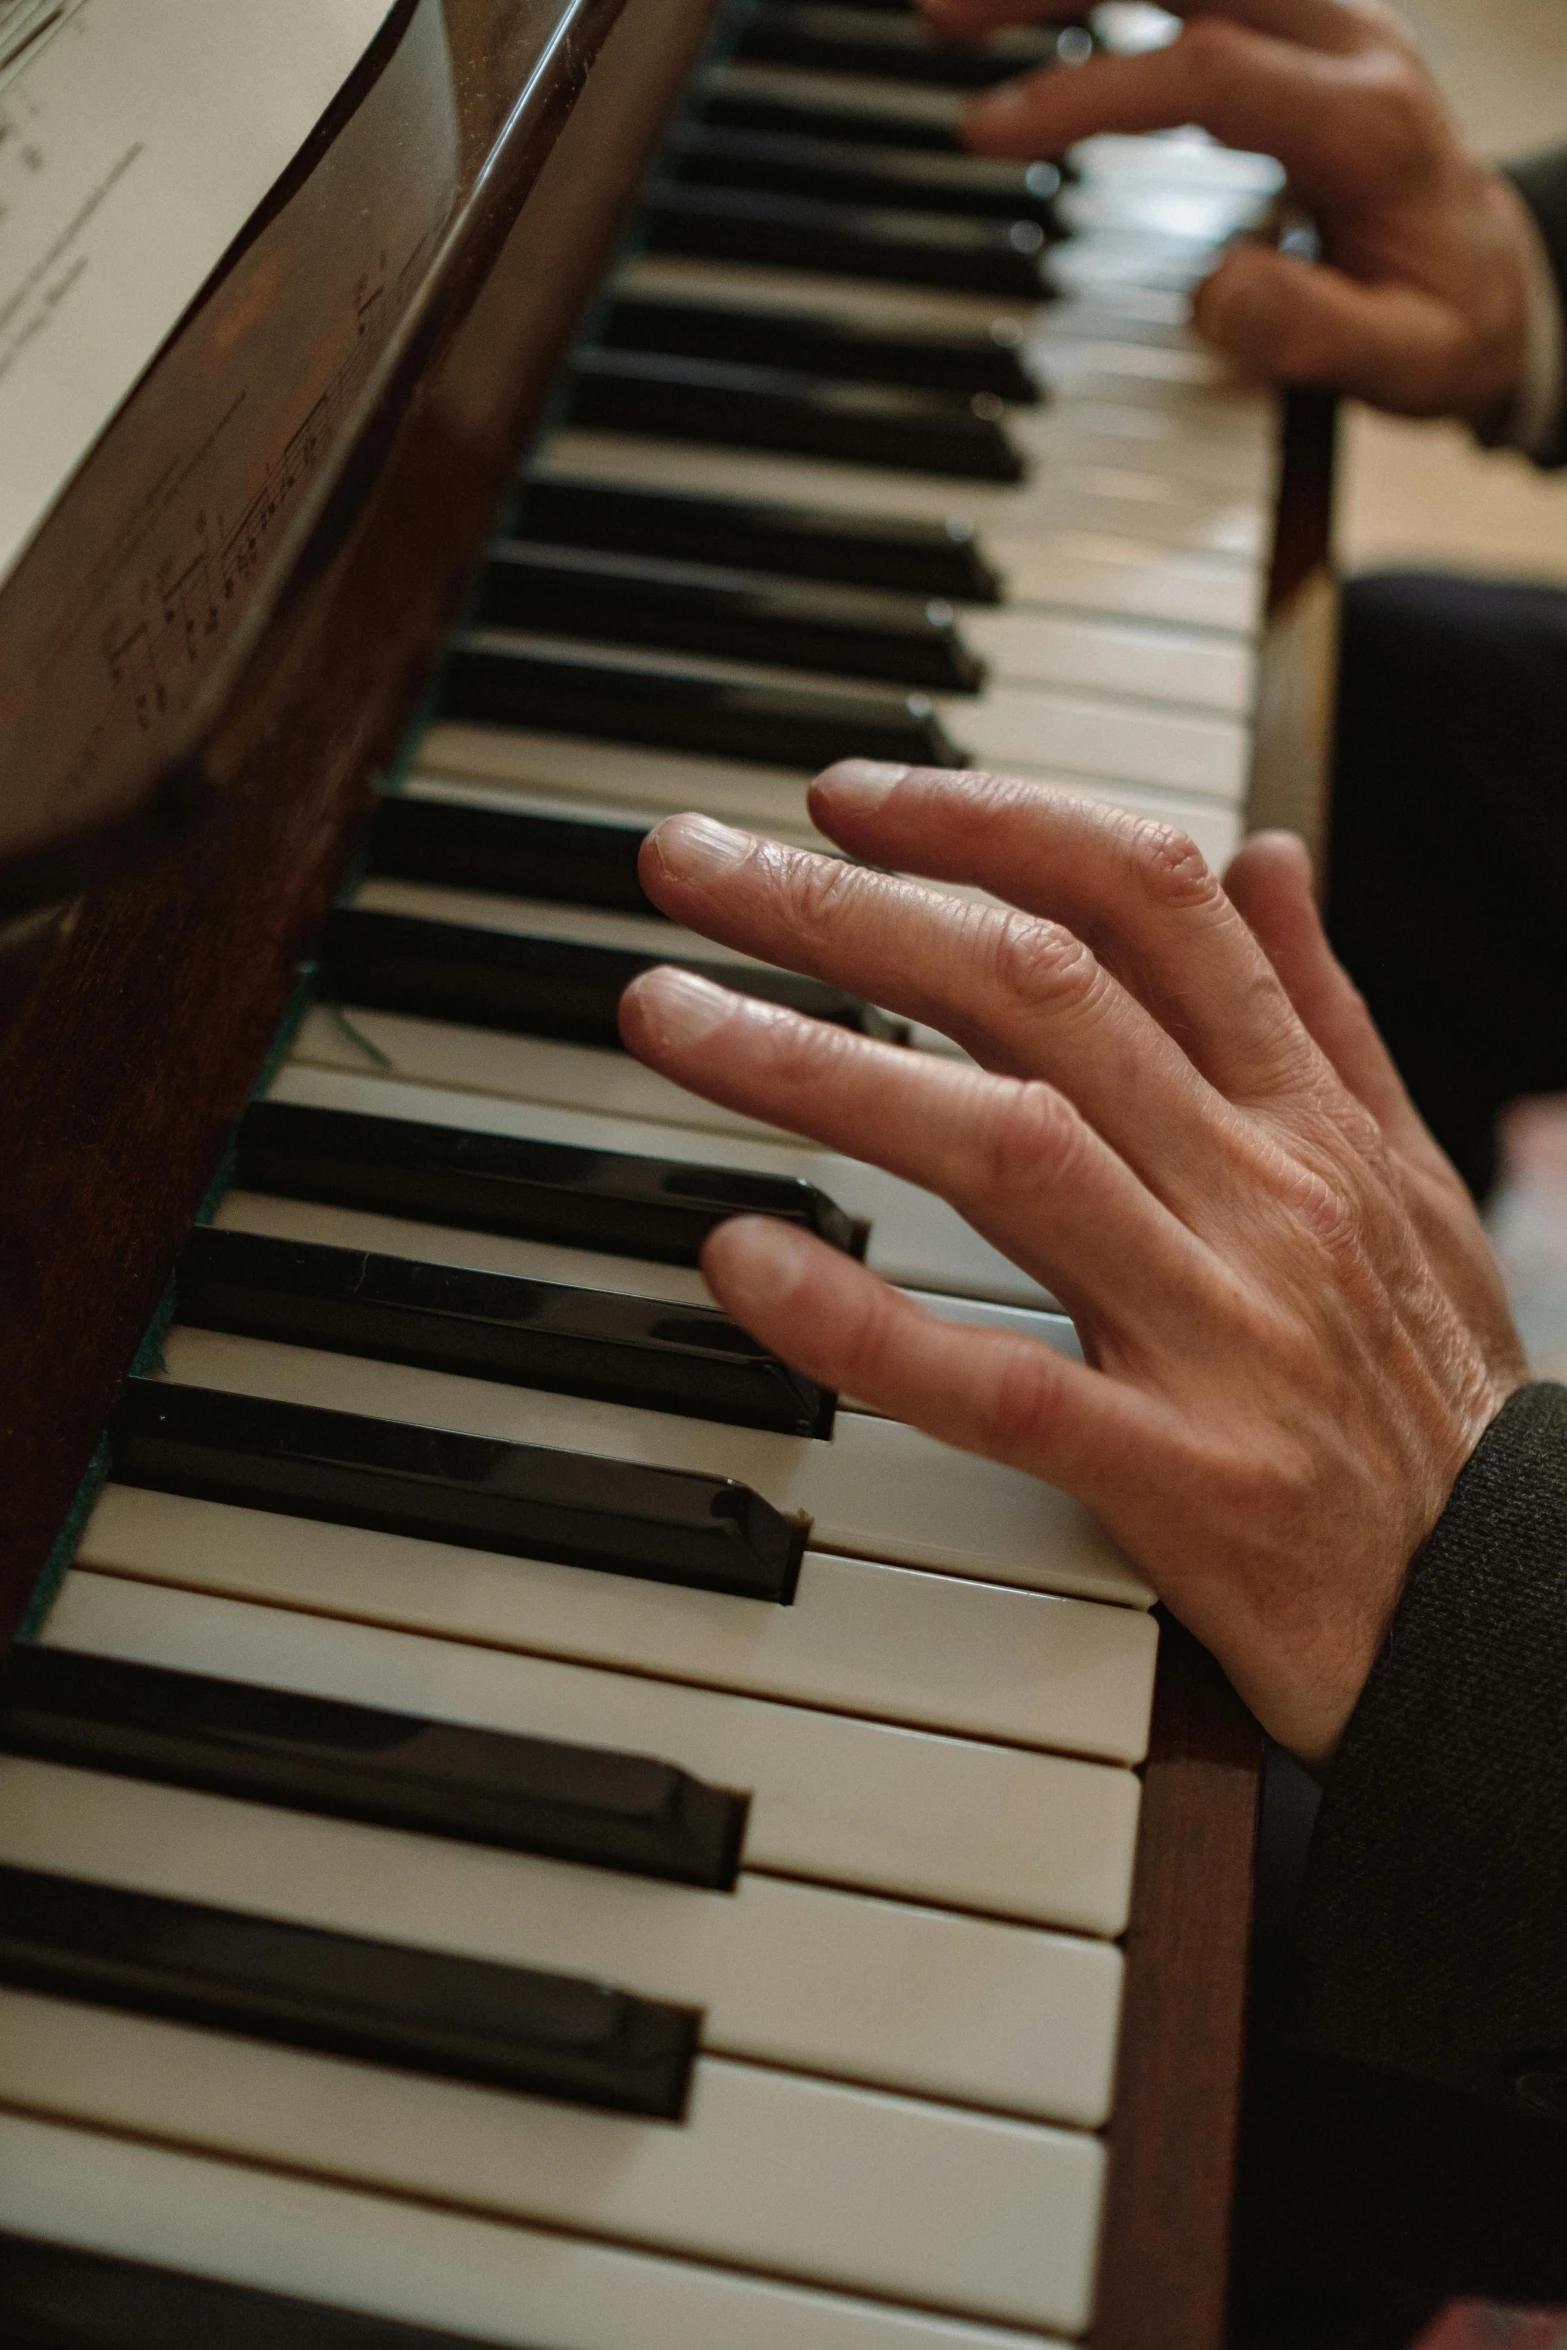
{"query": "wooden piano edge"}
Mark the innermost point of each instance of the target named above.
(134, 1022)
(1164, 2255)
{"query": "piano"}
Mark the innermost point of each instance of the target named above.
(522, 1821)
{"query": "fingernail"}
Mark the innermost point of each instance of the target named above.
(701, 846)
(764, 1262)
(679, 1007)
(859, 786)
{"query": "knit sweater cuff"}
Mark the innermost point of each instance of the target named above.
(1432, 1934)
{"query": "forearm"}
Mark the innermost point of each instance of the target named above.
(1433, 1928)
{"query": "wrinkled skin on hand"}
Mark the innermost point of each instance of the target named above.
(1184, 1124)
(1420, 302)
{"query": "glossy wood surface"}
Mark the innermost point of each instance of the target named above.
(1164, 2263)
(142, 1029)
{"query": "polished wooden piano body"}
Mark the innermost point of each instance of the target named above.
(155, 938)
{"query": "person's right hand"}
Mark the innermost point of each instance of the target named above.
(1420, 301)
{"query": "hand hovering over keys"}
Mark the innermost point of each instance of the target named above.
(1420, 301)
(1183, 1123)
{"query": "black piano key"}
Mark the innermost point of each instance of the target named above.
(592, 1805)
(491, 680)
(564, 859)
(57, 2297)
(663, 1525)
(934, 360)
(1004, 257)
(614, 1202)
(420, 2011)
(887, 47)
(840, 171)
(615, 1349)
(916, 557)
(712, 400)
(738, 615)
(537, 986)
(831, 112)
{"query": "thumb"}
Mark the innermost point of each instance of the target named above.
(1303, 322)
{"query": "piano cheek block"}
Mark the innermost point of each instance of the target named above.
(666, 1525)
(421, 2011)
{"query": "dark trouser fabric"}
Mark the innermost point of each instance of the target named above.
(1447, 885)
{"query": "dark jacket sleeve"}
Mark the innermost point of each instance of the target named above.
(1542, 182)
(1432, 1931)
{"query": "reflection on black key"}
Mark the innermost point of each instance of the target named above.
(737, 615)
(492, 680)
(840, 171)
(953, 359)
(537, 986)
(833, 110)
(846, 240)
(630, 1350)
(55, 2297)
(565, 859)
(664, 1525)
(354, 1762)
(421, 2011)
(920, 558)
(669, 398)
(887, 47)
(611, 1201)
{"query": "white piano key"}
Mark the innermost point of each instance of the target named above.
(880, 1992)
(528, 1260)
(537, 1260)
(1027, 727)
(878, 1490)
(637, 934)
(837, 2187)
(1131, 579)
(1098, 570)
(1209, 672)
(1013, 726)
(880, 1642)
(947, 1821)
(764, 798)
(442, 1244)
(525, 1068)
(914, 1237)
(387, 2257)
(1205, 519)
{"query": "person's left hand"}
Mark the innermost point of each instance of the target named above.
(1184, 1125)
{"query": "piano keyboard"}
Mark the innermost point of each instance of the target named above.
(528, 1822)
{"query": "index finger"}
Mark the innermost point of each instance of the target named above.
(1137, 893)
(1248, 88)
(1340, 25)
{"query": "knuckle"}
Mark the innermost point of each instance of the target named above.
(804, 1054)
(1396, 118)
(812, 891)
(1034, 1135)
(1169, 866)
(1042, 966)
(1021, 1401)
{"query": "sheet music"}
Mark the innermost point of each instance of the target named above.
(135, 142)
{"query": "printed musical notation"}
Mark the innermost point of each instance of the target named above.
(180, 607)
(25, 27)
